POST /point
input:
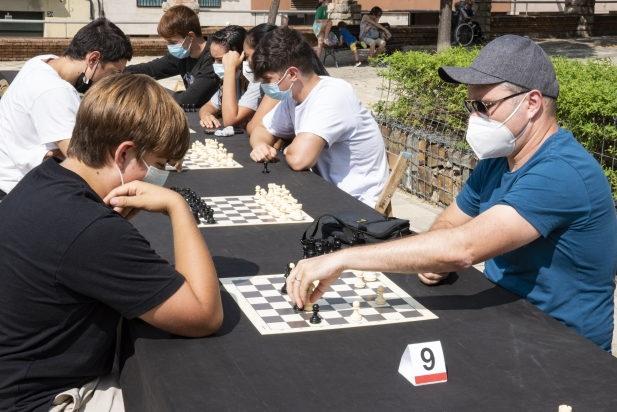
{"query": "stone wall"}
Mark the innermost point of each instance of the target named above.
(436, 170)
(348, 11)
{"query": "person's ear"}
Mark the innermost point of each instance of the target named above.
(191, 36)
(535, 103)
(93, 58)
(124, 153)
(294, 73)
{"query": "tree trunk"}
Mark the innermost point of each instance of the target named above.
(274, 9)
(444, 33)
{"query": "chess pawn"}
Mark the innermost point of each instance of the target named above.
(230, 159)
(257, 193)
(370, 276)
(380, 299)
(315, 319)
(355, 316)
(262, 199)
(297, 212)
(214, 162)
(359, 282)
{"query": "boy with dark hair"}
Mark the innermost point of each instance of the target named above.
(348, 39)
(72, 264)
(325, 124)
(37, 113)
(189, 56)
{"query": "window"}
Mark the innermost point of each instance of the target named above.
(150, 3)
(159, 3)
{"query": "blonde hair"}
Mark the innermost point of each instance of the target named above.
(128, 107)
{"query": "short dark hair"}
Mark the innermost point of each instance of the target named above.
(103, 36)
(375, 11)
(178, 21)
(341, 24)
(280, 49)
(230, 37)
(254, 36)
(128, 107)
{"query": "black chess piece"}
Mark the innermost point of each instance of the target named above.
(312, 251)
(297, 309)
(193, 108)
(265, 167)
(315, 319)
(211, 220)
(284, 288)
(304, 251)
(196, 216)
(320, 249)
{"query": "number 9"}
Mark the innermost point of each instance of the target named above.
(428, 359)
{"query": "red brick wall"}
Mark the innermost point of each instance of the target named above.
(542, 26)
(24, 48)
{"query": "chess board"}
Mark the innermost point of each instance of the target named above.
(243, 210)
(261, 300)
(191, 164)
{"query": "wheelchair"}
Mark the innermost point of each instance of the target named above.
(467, 33)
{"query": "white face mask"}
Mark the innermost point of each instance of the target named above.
(155, 176)
(247, 72)
(489, 138)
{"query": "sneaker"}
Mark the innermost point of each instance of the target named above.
(358, 64)
(364, 46)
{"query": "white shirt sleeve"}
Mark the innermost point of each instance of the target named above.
(54, 113)
(216, 100)
(332, 115)
(252, 97)
(278, 121)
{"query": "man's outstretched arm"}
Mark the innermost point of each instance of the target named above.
(499, 230)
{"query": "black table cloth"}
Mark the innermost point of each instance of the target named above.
(501, 353)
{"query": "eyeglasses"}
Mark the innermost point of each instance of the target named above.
(482, 108)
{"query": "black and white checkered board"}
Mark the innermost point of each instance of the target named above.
(261, 300)
(191, 164)
(243, 210)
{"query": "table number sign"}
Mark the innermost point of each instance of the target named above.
(423, 363)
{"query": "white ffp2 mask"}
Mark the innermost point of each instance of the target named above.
(489, 138)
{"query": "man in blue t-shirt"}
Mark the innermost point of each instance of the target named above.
(537, 208)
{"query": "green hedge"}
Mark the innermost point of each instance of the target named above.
(587, 103)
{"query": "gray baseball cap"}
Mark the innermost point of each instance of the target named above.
(509, 58)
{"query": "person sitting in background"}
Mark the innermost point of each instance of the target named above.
(37, 113)
(328, 130)
(372, 33)
(322, 27)
(348, 39)
(237, 97)
(72, 265)
(470, 17)
(189, 57)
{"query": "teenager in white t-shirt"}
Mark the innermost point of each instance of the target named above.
(37, 113)
(328, 129)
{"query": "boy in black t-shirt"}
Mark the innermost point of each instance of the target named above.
(72, 264)
(189, 56)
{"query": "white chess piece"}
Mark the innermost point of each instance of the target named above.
(297, 212)
(565, 408)
(370, 276)
(355, 316)
(257, 193)
(230, 159)
(359, 282)
(262, 197)
(380, 299)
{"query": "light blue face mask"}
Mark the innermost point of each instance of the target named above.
(155, 176)
(272, 89)
(178, 51)
(219, 70)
